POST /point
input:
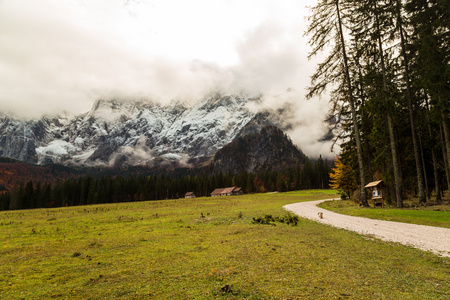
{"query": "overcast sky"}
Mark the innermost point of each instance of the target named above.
(62, 55)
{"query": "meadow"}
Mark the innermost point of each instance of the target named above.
(204, 248)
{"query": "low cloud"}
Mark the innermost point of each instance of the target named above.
(139, 154)
(52, 60)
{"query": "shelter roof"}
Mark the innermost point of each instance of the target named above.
(227, 190)
(374, 184)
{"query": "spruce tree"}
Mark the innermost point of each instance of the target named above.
(326, 26)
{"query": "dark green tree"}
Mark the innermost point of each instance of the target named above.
(326, 26)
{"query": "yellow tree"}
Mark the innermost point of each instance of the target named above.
(343, 178)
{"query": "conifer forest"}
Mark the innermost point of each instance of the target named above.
(386, 68)
(132, 186)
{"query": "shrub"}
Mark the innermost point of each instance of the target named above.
(288, 219)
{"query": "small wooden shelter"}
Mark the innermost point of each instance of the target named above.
(376, 188)
(189, 195)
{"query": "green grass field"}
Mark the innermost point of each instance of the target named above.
(436, 215)
(204, 248)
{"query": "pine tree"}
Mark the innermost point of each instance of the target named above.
(409, 97)
(326, 26)
(372, 27)
(431, 66)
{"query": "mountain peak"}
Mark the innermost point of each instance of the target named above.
(114, 130)
(267, 149)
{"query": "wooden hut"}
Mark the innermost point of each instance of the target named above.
(189, 195)
(229, 191)
(376, 187)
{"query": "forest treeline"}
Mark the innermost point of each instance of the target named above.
(172, 185)
(387, 71)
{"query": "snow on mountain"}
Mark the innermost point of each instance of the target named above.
(17, 140)
(124, 132)
(57, 148)
(205, 128)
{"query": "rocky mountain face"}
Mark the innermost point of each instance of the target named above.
(134, 133)
(17, 140)
(267, 149)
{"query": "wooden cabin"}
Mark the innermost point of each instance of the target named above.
(376, 187)
(189, 195)
(229, 191)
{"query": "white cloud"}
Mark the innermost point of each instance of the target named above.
(63, 55)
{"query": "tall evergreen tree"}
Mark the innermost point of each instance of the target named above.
(372, 28)
(431, 66)
(409, 98)
(326, 26)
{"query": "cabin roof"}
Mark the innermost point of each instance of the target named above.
(226, 190)
(374, 184)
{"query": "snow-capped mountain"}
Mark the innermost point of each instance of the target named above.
(134, 133)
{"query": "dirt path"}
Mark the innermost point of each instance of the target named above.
(428, 238)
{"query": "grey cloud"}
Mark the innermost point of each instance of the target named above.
(50, 63)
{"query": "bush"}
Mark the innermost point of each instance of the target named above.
(288, 219)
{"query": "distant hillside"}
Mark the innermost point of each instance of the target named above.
(268, 149)
(13, 172)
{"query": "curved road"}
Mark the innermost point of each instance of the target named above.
(428, 238)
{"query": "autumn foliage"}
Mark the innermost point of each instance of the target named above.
(14, 172)
(343, 177)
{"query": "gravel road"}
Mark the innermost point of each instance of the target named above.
(428, 238)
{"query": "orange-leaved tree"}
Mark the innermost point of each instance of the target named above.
(343, 177)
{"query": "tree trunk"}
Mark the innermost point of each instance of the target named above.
(353, 111)
(419, 171)
(446, 146)
(394, 152)
(444, 155)
(433, 157)
(425, 176)
(437, 188)
(397, 176)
